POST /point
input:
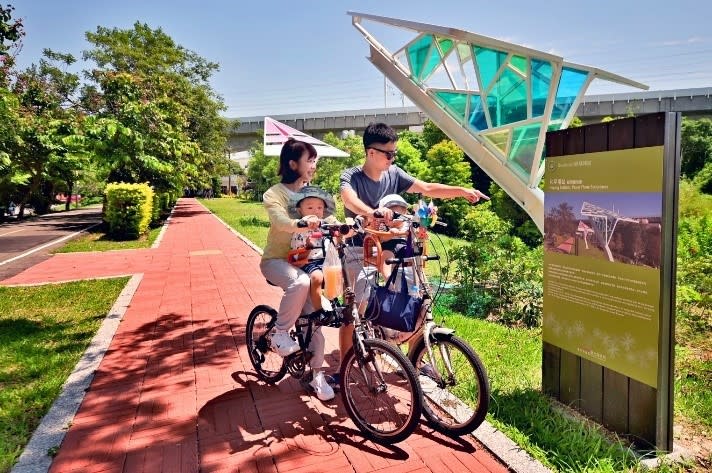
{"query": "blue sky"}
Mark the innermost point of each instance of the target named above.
(281, 56)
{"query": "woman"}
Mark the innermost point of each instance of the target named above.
(297, 163)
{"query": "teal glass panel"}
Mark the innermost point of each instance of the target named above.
(453, 102)
(433, 62)
(507, 100)
(520, 64)
(445, 45)
(540, 83)
(521, 153)
(418, 54)
(488, 61)
(477, 119)
(570, 85)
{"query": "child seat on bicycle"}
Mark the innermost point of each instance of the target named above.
(385, 241)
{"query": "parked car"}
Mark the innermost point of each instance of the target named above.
(74, 198)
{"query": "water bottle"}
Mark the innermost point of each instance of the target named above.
(413, 289)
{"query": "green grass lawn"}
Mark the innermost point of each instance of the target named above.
(97, 240)
(248, 218)
(44, 330)
(550, 433)
(523, 413)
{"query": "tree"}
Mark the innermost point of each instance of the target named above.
(155, 117)
(432, 135)
(508, 210)
(703, 179)
(575, 122)
(561, 221)
(565, 215)
(11, 32)
(262, 170)
(417, 140)
(696, 146)
(329, 169)
(48, 121)
(446, 165)
(411, 161)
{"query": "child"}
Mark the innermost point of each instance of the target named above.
(307, 252)
(394, 246)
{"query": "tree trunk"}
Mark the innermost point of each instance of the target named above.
(70, 188)
(36, 180)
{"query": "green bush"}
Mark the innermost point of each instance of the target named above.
(499, 277)
(162, 203)
(703, 179)
(128, 209)
(156, 208)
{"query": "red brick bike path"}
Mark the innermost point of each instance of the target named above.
(175, 391)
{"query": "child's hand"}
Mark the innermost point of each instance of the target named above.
(312, 221)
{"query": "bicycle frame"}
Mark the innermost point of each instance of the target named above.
(334, 233)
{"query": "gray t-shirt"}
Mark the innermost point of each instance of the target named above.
(393, 181)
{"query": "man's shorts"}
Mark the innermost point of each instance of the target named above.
(313, 265)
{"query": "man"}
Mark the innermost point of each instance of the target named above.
(362, 187)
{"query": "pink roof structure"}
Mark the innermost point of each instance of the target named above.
(583, 228)
(566, 246)
(277, 133)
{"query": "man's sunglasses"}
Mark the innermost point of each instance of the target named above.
(391, 155)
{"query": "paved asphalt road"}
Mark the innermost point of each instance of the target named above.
(19, 238)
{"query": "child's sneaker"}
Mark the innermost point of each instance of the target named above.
(283, 344)
(321, 388)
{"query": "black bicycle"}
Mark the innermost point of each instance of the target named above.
(379, 386)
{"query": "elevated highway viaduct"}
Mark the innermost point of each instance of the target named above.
(691, 102)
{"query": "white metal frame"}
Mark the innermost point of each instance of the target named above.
(522, 188)
(605, 222)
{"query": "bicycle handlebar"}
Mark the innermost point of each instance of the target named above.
(328, 227)
(406, 258)
(410, 218)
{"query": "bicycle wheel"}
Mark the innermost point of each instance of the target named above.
(270, 367)
(381, 392)
(455, 399)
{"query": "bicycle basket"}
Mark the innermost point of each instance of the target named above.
(392, 309)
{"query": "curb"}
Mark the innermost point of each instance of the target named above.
(239, 235)
(158, 239)
(508, 452)
(50, 433)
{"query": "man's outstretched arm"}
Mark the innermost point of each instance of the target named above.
(445, 191)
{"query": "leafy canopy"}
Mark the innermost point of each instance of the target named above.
(155, 117)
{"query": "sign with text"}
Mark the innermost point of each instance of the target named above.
(602, 260)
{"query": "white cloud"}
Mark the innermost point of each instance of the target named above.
(682, 42)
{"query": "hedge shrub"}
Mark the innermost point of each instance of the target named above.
(156, 208)
(128, 209)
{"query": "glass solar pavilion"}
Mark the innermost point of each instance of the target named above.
(495, 99)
